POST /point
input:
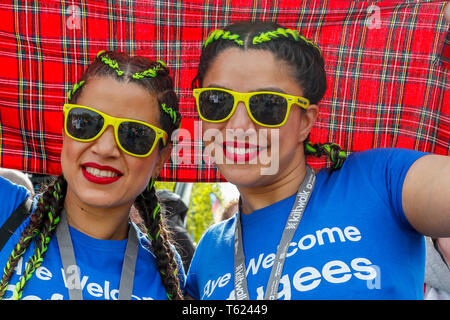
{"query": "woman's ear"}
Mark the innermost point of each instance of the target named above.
(309, 117)
(164, 155)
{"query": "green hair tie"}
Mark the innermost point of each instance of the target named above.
(332, 150)
(162, 63)
(100, 53)
(150, 72)
(151, 184)
(53, 221)
(172, 113)
(155, 211)
(226, 35)
(157, 235)
(284, 32)
(75, 87)
(111, 63)
(310, 148)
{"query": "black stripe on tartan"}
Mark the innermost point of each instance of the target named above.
(341, 60)
(38, 142)
(18, 9)
(427, 130)
(352, 104)
(130, 43)
(385, 80)
(177, 46)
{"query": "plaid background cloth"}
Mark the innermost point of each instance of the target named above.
(387, 65)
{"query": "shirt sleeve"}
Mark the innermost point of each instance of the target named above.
(387, 169)
(191, 280)
(11, 196)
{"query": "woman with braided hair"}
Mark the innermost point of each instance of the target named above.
(352, 231)
(78, 243)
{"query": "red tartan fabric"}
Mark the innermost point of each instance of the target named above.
(387, 65)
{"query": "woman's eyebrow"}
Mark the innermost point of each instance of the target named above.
(212, 85)
(271, 89)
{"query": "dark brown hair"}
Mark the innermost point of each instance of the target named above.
(302, 56)
(155, 78)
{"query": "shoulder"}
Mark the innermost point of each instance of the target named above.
(381, 168)
(374, 177)
(7, 188)
(216, 239)
(222, 231)
(381, 156)
(11, 196)
(377, 163)
(210, 250)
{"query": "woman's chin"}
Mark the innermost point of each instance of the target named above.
(245, 175)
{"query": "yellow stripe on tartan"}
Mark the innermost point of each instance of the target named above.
(85, 35)
(178, 48)
(423, 127)
(402, 80)
(384, 75)
(254, 10)
(40, 80)
(131, 45)
(352, 110)
(227, 8)
(320, 24)
(158, 27)
(21, 76)
(110, 26)
(276, 10)
(341, 60)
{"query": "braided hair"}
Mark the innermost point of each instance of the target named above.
(303, 55)
(154, 77)
(150, 211)
(41, 227)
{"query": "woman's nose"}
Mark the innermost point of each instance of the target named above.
(106, 145)
(240, 118)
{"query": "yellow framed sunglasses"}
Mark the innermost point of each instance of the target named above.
(266, 108)
(134, 137)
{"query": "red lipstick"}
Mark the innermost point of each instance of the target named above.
(95, 176)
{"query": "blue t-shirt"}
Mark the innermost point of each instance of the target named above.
(354, 241)
(100, 262)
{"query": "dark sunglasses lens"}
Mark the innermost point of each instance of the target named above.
(83, 123)
(268, 108)
(215, 105)
(136, 138)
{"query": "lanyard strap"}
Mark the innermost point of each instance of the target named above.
(72, 272)
(240, 280)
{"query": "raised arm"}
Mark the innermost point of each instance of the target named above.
(426, 195)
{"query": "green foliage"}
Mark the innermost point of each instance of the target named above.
(165, 185)
(200, 213)
(199, 216)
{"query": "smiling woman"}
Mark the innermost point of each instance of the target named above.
(117, 126)
(104, 151)
(301, 234)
